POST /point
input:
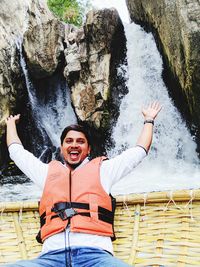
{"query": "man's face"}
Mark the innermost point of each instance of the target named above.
(75, 147)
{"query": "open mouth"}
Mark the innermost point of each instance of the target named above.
(74, 155)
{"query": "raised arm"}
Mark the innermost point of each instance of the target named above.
(26, 161)
(12, 136)
(149, 113)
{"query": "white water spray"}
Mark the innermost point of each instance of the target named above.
(172, 162)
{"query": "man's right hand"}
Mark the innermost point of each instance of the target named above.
(12, 118)
(11, 134)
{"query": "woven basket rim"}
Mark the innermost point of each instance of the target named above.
(152, 197)
(160, 196)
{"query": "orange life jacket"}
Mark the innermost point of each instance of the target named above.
(77, 194)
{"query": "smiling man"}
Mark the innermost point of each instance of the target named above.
(74, 145)
(76, 208)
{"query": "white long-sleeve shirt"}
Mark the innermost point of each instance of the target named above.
(111, 171)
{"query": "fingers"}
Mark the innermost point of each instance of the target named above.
(15, 117)
(155, 105)
(12, 118)
(152, 110)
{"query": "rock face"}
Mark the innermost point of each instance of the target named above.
(176, 27)
(88, 70)
(88, 57)
(15, 18)
(43, 45)
(86, 54)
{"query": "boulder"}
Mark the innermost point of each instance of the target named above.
(43, 46)
(15, 18)
(89, 61)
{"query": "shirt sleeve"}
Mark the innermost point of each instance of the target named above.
(31, 166)
(114, 169)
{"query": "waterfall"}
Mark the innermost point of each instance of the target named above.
(172, 162)
(52, 109)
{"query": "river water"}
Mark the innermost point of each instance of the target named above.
(172, 162)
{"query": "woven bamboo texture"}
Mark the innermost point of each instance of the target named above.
(155, 229)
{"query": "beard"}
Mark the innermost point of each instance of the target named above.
(74, 165)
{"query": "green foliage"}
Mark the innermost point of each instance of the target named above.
(69, 11)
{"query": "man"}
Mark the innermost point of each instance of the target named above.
(76, 208)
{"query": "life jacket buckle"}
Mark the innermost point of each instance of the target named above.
(67, 213)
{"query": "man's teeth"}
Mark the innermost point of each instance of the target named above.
(74, 155)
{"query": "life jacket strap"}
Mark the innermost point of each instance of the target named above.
(65, 210)
(67, 205)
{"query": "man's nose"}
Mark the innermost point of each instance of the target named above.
(75, 144)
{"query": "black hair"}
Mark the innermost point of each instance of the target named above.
(75, 127)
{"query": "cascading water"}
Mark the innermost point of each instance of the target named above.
(30, 89)
(172, 162)
(57, 112)
(52, 112)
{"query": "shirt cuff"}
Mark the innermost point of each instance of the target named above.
(14, 146)
(144, 149)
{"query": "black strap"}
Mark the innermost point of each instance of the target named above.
(113, 202)
(104, 214)
(67, 205)
(87, 214)
(43, 219)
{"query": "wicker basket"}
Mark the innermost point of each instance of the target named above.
(155, 229)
